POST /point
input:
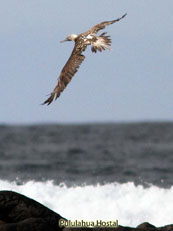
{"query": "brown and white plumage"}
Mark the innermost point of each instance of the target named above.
(98, 43)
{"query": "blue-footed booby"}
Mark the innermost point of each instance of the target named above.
(98, 43)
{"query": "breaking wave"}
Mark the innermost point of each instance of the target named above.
(127, 203)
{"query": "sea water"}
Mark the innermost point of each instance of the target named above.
(93, 172)
(129, 204)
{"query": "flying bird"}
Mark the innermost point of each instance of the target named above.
(98, 43)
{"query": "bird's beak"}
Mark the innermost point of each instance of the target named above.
(65, 40)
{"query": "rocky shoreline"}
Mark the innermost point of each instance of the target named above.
(20, 213)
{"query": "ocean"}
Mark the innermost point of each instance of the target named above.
(113, 171)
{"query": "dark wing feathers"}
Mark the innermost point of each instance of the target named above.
(67, 73)
(102, 25)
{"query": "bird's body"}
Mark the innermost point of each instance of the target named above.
(98, 43)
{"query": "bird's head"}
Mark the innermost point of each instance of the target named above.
(71, 37)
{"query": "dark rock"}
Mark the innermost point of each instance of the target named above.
(121, 228)
(18, 212)
(166, 228)
(147, 226)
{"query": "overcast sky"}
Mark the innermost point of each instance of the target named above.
(133, 82)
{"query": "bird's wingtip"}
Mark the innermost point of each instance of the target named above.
(49, 100)
(45, 102)
(124, 15)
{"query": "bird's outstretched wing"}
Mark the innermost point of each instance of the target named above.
(102, 25)
(67, 73)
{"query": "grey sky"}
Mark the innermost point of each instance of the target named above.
(132, 82)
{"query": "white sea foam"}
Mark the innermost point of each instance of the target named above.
(128, 203)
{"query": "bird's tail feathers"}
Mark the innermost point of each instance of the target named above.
(101, 43)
